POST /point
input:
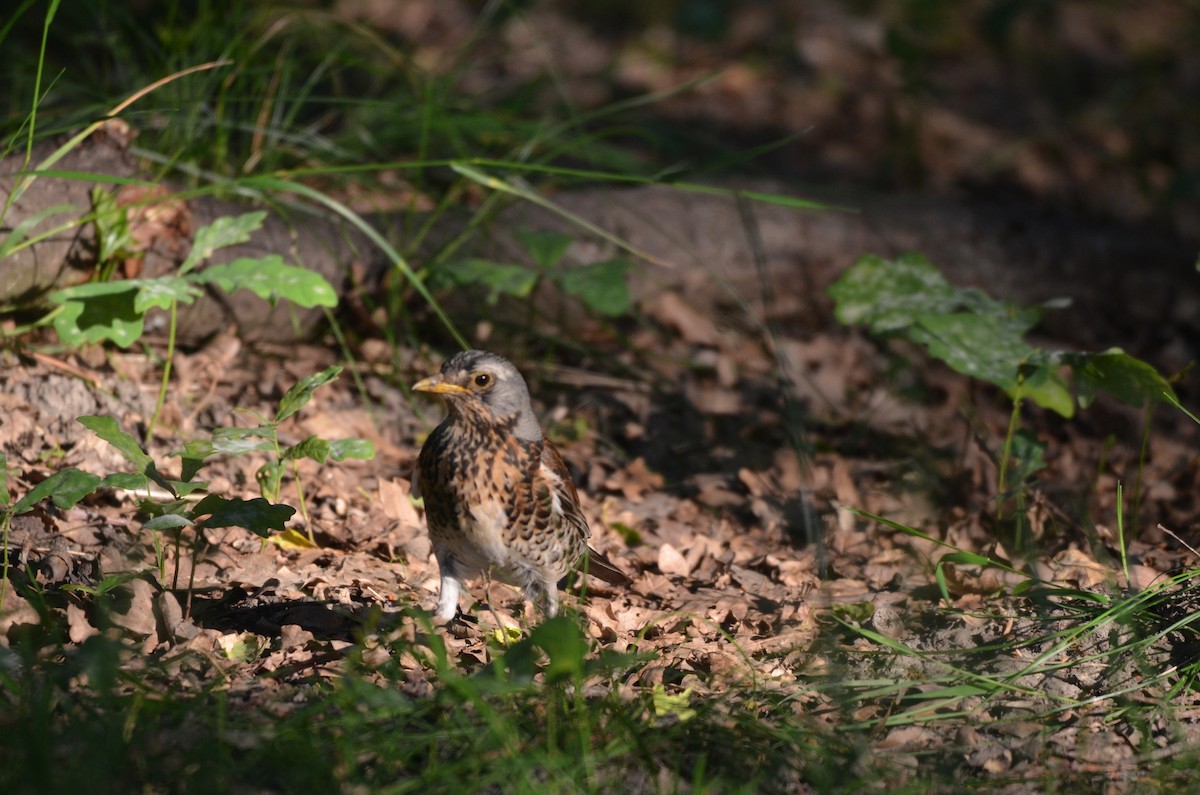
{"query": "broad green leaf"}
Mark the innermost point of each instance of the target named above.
(257, 515)
(235, 441)
(1029, 456)
(1126, 378)
(94, 290)
(600, 285)
(546, 247)
(299, 395)
(152, 508)
(129, 481)
(889, 295)
(313, 447)
(97, 312)
(186, 487)
(221, 233)
(193, 457)
(168, 521)
(341, 449)
(499, 278)
(990, 348)
(269, 477)
(65, 488)
(107, 429)
(976, 345)
(271, 279)
(564, 644)
(1042, 382)
(164, 291)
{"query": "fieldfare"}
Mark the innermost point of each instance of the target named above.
(498, 496)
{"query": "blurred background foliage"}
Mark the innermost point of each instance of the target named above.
(1088, 105)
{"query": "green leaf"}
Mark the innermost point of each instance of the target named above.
(889, 295)
(97, 312)
(168, 521)
(129, 481)
(193, 457)
(108, 430)
(1126, 378)
(1041, 382)
(152, 508)
(564, 643)
(257, 515)
(341, 449)
(301, 393)
(236, 441)
(313, 447)
(269, 476)
(1029, 456)
(600, 285)
(975, 345)
(221, 233)
(164, 291)
(544, 246)
(65, 488)
(499, 278)
(991, 348)
(271, 279)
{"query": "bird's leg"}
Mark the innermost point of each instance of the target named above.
(543, 596)
(451, 587)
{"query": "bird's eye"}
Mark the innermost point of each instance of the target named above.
(482, 380)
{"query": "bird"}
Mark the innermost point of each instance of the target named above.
(499, 498)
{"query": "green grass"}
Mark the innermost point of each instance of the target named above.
(100, 718)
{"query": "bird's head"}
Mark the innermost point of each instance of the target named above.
(484, 385)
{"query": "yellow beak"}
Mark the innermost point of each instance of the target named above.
(437, 386)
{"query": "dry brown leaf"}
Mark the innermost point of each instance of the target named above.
(395, 502)
(79, 628)
(137, 617)
(671, 310)
(672, 562)
(1077, 567)
(634, 480)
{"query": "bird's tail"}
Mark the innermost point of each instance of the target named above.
(604, 569)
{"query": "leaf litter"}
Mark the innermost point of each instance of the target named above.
(749, 557)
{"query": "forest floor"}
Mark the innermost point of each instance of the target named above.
(808, 514)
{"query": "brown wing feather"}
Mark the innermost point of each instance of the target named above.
(597, 565)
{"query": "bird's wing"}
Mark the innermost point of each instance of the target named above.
(563, 492)
(415, 483)
(597, 565)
